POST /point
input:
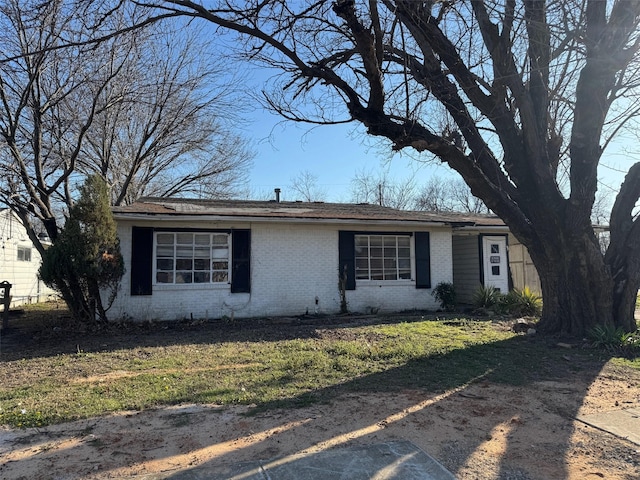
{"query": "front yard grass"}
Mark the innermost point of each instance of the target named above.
(62, 375)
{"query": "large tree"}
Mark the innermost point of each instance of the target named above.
(517, 96)
(380, 189)
(139, 108)
(448, 195)
(166, 122)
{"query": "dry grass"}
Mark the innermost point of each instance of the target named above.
(54, 371)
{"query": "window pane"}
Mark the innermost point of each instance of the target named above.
(495, 248)
(220, 239)
(383, 257)
(201, 264)
(184, 238)
(376, 263)
(390, 275)
(220, 277)
(166, 251)
(183, 277)
(389, 252)
(362, 241)
(362, 263)
(164, 277)
(201, 277)
(195, 257)
(202, 239)
(389, 263)
(495, 270)
(164, 238)
(389, 241)
(184, 264)
(405, 274)
(218, 252)
(164, 263)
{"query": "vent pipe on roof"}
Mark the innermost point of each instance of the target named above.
(277, 190)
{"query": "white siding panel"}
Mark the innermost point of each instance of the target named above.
(23, 275)
(466, 267)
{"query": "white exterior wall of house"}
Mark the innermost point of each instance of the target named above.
(292, 264)
(398, 296)
(21, 270)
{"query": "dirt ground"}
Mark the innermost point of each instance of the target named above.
(480, 431)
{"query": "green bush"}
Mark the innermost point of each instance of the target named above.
(524, 302)
(486, 297)
(615, 340)
(445, 293)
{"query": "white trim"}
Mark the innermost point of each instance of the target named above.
(197, 285)
(412, 260)
(248, 219)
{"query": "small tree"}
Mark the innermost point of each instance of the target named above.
(86, 258)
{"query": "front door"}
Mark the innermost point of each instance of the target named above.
(494, 258)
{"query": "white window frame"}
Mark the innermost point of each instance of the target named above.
(174, 272)
(411, 258)
(26, 254)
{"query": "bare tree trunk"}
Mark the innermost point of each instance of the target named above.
(623, 254)
(73, 296)
(576, 286)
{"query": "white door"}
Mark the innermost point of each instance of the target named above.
(494, 253)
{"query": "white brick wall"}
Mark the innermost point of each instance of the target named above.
(399, 296)
(291, 266)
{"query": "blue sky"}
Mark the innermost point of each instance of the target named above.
(334, 153)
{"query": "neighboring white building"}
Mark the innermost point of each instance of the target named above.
(209, 259)
(19, 262)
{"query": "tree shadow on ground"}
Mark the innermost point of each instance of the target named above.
(496, 392)
(456, 386)
(47, 333)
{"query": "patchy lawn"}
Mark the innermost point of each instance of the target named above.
(456, 387)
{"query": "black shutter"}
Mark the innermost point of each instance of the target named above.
(241, 261)
(347, 256)
(423, 260)
(141, 260)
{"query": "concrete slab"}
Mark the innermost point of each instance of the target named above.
(399, 460)
(623, 423)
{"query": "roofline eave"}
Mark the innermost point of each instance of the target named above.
(249, 219)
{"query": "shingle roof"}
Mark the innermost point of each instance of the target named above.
(153, 206)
